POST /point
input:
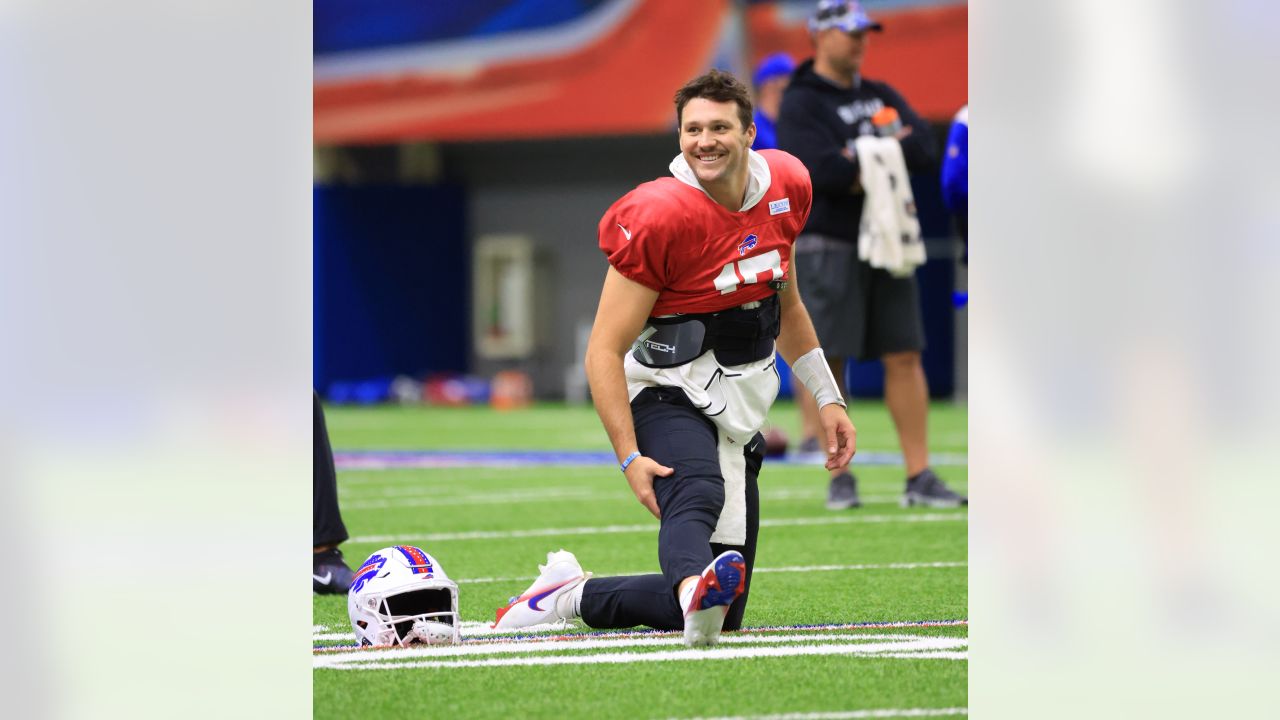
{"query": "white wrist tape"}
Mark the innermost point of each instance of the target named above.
(815, 373)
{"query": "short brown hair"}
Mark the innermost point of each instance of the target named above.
(718, 86)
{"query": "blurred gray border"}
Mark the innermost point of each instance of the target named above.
(155, 290)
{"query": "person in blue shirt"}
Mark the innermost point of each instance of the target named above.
(955, 173)
(770, 80)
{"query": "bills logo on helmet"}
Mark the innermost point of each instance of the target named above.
(418, 560)
(747, 244)
(367, 570)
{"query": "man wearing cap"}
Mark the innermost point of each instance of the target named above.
(771, 79)
(858, 311)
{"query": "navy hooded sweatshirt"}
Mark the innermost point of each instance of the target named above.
(820, 119)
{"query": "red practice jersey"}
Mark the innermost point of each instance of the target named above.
(700, 257)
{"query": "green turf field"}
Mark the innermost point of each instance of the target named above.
(491, 526)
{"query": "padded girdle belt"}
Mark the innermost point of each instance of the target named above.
(738, 336)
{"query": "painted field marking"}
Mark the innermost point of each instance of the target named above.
(386, 484)
(853, 714)
(451, 489)
(474, 631)
(552, 646)
(509, 498)
(924, 645)
(424, 498)
(865, 566)
(429, 459)
(931, 655)
(477, 475)
(653, 528)
(797, 568)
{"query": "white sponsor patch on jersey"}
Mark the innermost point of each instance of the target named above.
(777, 207)
(625, 231)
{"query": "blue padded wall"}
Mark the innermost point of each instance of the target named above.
(391, 282)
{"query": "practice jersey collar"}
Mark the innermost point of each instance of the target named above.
(758, 178)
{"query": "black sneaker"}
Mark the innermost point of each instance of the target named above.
(926, 489)
(330, 574)
(843, 492)
(810, 446)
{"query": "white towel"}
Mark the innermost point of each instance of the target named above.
(889, 234)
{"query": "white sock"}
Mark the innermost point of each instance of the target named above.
(569, 605)
(686, 596)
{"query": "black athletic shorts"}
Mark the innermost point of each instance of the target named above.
(859, 311)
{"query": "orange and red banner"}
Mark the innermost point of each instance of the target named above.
(604, 67)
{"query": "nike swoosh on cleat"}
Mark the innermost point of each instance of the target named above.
(323, 579)
(625, 231)
(533, 601)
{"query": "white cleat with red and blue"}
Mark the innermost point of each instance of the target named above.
(546, 599)
(707, 601)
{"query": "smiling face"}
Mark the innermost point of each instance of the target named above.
(715, 144)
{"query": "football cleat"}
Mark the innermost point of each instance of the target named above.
(548, 599)
(707, 603)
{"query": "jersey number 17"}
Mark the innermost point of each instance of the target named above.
(749, 271)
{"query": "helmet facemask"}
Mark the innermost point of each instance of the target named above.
(415, 616)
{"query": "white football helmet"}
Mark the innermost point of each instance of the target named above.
(401, 596)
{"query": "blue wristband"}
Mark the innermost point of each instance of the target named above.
(627, 462)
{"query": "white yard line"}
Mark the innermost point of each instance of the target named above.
(473, 630)
(374, 461)
(511, 498)
(932, 655)
(454, 491)
(653, 528)
(922, 645)
(853, 714)
(374, 477)
(560, 645)
(857, 519)
(868, 566)
(424, 498)
(796, 568)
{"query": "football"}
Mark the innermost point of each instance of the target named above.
(775, 443)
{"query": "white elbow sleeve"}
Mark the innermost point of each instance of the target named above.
(813, 371)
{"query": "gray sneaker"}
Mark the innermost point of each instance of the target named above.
(843, 492)
(810, 446)
(926, 489)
